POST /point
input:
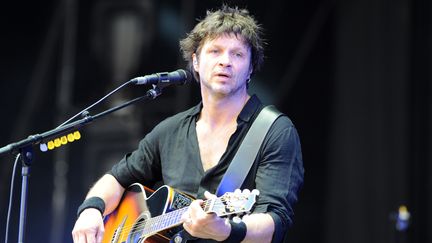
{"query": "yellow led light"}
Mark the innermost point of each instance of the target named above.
(57, 142)
(403, 209)
(50, 145)
(63, 140)
(70, 137)
(77, 135)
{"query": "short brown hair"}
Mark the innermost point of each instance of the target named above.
(226, 20)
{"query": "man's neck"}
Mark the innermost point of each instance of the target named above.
(222, 111)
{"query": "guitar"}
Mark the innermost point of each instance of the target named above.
(139, 218)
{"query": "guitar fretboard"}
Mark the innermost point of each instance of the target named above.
(162, 222)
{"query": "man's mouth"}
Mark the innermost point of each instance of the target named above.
(224, 75)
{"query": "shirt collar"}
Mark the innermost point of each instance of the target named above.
(248, 111)
(196, 110)
(251, 107)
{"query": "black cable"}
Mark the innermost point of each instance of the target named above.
(97, 102)
(10, 197)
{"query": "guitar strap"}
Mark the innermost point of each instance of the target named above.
(248, 150)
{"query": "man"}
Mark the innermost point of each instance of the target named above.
(192, 150)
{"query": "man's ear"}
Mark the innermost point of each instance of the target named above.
(195, 62)
(250, 71)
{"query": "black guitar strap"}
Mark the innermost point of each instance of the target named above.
(248, 150)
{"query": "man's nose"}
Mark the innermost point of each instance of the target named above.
(225, 59)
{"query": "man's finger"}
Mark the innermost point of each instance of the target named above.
(99, 235)
(91, 238)
(208, 195)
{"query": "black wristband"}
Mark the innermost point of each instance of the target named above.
(238, 232)
(92, 202)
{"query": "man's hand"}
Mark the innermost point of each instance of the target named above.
(205, 225)
(89, 227)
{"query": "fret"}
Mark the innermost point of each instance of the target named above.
(173, 218)
(206, 205)
(147, 226)
(161, 222)
(157, 226)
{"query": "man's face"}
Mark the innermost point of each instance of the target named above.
(224, 65)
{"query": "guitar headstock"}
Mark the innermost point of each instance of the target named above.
(232, 202)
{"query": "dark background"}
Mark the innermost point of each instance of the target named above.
(354, 76)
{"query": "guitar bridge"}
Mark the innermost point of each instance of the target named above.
(118, 230)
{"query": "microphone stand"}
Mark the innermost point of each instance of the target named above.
(25, 147)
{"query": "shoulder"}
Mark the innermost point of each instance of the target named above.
(282, 121)
(282, 131)
(178, 120)
(171, 127)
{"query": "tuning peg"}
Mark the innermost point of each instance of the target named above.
(256, 192)
(246, 191)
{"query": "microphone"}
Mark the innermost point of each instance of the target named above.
(179, 76)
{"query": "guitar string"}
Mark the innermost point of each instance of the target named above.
(155, 227)
(159, 217)
(138, 227)
(152, 229)
(176, 212)
(176, 215)
(170, 214)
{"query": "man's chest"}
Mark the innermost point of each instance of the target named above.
(213, 144)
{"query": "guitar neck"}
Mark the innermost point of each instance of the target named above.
(173, 218)
(162, 222)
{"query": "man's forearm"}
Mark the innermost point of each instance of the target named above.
(260, 228)
(107, 188)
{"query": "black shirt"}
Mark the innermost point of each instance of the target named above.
(170, 153)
